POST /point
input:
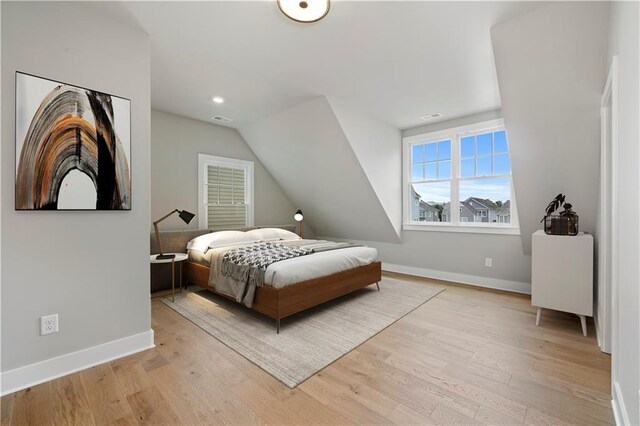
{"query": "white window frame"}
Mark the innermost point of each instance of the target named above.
(205, 160)
(455, 225)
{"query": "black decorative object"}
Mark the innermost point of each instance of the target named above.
(564, 223)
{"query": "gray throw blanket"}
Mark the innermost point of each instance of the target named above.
(248, 264)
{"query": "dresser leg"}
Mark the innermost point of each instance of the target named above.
(583, 322)
(378, 285)
(538, 316)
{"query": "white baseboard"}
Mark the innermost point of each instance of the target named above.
(494, 283)
(43, 371)
(600, 333)
(619, 409)
(597, 324)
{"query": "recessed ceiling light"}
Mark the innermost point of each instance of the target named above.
(218, 99)
(431, 116)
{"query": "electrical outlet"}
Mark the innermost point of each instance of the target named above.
(49, 324)
(488, 262)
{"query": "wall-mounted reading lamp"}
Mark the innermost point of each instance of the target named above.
(299, 217)
(185, 216)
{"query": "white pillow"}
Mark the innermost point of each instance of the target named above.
(264, 234)
(220, 239)
(273, 234)
(287, 235)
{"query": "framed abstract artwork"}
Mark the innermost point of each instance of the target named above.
(73, 147)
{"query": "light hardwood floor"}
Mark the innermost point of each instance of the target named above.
(468, 356)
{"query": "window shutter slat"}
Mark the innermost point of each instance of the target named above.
(226, 195)
(226, 206)
(225, 217)
(212, 175)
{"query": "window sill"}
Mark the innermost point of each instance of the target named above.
(469, 229)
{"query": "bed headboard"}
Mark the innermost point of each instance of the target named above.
(176, 241)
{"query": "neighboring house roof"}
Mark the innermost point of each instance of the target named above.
(469, 206)
(471, 210)
(427, 206)
(480, 203)
(422, 204)
(414, 194)
(474, 205)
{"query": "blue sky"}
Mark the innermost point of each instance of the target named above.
(494, 189)
(481, 155)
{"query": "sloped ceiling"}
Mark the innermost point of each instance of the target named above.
(307, 152)
(394, 60)
(378, 148)
(551, 66)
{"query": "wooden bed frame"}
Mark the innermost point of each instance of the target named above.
(278, 303)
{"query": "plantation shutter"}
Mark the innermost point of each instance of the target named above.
(226, 203)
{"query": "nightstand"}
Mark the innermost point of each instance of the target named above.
(179, 257)
(562, 274)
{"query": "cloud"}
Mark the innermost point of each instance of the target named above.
(440, 192)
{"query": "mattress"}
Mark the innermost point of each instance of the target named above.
(303, 268)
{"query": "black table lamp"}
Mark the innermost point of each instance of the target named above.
(185, 216)
(299, 217)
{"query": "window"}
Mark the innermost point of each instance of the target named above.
(466, 167)
(225, 193)
(431, 174)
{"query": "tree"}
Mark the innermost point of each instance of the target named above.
(498, 203)
(439, 208)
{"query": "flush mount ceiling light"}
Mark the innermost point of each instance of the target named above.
(305, 11)
(218, 99)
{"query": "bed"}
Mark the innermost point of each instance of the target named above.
(291, 285)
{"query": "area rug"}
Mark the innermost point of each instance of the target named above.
(310, 340)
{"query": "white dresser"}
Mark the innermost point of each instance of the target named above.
(562, 274)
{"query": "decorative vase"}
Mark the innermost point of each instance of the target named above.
(561, 224)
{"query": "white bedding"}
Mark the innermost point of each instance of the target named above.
(292, 271)
(316, 265)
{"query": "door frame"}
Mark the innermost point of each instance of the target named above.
(609, 222)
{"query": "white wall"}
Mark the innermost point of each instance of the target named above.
(551, 65)
(92, 268)
(309, 155)
(333, 151)
(175, 144)
(458, 256)
(378, 148)
(454, 122)
(623, 41)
